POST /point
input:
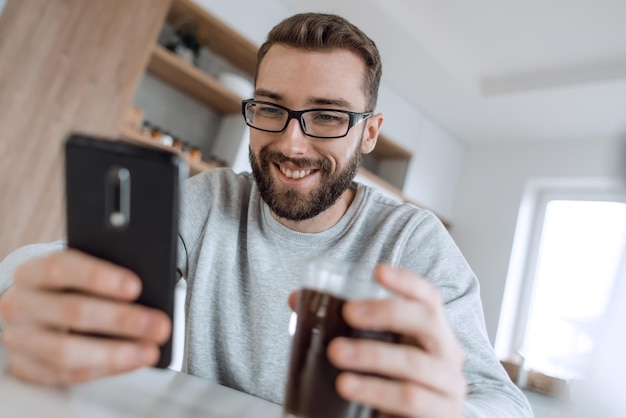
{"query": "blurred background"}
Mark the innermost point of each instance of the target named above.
(506, 119)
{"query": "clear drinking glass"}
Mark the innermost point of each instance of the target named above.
(310, 391)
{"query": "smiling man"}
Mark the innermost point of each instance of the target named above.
(243, 242)
(304, 173)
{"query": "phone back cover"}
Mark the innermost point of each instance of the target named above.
(147, 244)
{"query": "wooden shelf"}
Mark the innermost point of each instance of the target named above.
(214, 34)
(387, 149)
(195, 166)
(537, 381)
(394, 190)
(193, 81)
(382, 183)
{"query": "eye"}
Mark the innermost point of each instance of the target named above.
(329, 117)
(269, 111)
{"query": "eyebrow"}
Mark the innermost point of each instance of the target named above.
(268, 94)
(314, 101)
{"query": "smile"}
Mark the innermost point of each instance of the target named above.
(294, 174)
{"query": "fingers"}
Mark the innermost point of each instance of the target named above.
(293, 299)
(407, 284)
(397, 361)
(71, 291)
(73, 270)
(424, 324)
(398, 397)
(420, 376)
(53, 358)
(83, 313)
(418, 315)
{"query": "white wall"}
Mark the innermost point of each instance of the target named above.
(254, 22)
(434, 170)
(490, 192)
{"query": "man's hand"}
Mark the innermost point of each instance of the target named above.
(420, 377)
(56, 301)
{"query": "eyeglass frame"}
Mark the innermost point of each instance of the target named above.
(355, 117)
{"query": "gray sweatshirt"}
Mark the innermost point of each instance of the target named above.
(241, 264)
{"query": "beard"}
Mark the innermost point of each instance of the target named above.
(292, 203)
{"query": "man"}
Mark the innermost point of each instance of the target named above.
(243, 241)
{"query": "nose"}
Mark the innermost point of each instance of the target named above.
(293, 141)
(295, 125)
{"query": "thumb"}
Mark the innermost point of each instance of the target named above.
(292, 299)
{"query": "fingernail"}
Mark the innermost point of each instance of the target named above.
(147, 324)
(152, 326)
(129, 286)
(350, 384)
(361, 309)
(132, 356)
(389, 272)
(147, 355)
(158, 329)
(346, 350)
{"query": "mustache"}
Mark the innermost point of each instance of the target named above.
(269, 156)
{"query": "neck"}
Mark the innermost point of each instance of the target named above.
(322, 221)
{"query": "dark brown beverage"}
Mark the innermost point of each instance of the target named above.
(311, 389)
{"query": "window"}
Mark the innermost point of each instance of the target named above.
(567, 250)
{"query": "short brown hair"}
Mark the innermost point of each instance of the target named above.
(318, 31)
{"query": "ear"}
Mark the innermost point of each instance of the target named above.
(370, 136)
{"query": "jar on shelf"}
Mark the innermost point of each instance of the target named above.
(195, 154)
(166, 139)
(156, 133)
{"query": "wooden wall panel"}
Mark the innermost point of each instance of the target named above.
(65, 65)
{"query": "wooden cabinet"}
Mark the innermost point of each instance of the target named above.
(193, 81)
(65, 65)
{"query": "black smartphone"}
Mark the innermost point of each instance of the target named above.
(122, 205)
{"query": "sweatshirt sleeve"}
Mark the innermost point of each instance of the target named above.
(433, 254)
(22, 254)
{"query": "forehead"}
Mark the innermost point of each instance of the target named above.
(298, 77)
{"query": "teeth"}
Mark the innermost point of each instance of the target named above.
(296, 174)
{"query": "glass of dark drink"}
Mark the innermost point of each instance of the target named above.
(310, 391)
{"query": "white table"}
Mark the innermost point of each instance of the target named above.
(146, 393)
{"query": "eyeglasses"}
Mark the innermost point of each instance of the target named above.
(316, 123)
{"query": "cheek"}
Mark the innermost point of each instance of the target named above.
(336, 158)
(256, 140)
(259, 139)
(342, 154)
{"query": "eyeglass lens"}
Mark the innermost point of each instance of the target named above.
(322, 123)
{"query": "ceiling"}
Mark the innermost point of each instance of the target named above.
(501, 70)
